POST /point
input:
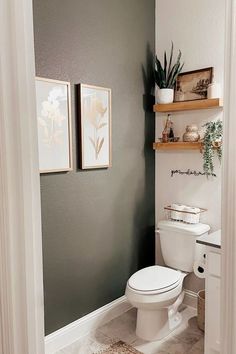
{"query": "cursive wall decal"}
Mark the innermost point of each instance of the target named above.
(190, 173)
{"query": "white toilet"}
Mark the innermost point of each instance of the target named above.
(157, 291)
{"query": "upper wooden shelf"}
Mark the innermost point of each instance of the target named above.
(188, 105)
(180, 145)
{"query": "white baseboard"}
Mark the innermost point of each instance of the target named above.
(78, 329)
(190, 298)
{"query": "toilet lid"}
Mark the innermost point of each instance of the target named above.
(154, 278)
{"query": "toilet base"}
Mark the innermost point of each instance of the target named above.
(156, 325)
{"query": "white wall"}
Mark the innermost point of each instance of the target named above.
(197, 28)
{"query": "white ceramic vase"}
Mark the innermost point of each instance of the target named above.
(165, 95)
(214, 90)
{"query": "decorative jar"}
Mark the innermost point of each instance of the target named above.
(191, 133)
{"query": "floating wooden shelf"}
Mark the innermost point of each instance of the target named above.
(188, 105)
(180, 145)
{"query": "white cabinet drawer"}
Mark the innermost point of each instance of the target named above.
(214, 264)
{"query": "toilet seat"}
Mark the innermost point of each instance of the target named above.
(155, 280)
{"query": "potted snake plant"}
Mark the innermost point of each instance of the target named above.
(165, 76)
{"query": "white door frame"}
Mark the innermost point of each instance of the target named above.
(21, 281)
(228, 293)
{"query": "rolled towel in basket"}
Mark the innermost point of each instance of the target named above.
(192, 216)
(177, 214)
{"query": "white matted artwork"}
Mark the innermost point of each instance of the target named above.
(54, 125)
(95, 125)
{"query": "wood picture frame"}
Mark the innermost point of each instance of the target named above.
(53, 104)
(95, 117)
(192, 85)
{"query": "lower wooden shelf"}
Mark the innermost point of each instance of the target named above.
(180, 145)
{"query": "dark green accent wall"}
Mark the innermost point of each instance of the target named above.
(98, 226)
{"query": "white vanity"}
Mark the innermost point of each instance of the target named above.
(213, 280)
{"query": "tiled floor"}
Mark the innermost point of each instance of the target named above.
(186, 339)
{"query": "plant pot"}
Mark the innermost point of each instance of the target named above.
(165, 95)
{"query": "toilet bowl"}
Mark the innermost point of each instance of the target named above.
(155, 291)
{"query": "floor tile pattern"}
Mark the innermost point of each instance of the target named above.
(186, 339)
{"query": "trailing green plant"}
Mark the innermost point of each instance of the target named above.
(212, 144)
(165, 77)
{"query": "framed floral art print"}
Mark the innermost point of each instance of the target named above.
(54, 125)
(95, 126)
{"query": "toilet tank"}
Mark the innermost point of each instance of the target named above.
(178, 243)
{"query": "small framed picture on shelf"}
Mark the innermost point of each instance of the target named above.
(192, 85)
(95, 127)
